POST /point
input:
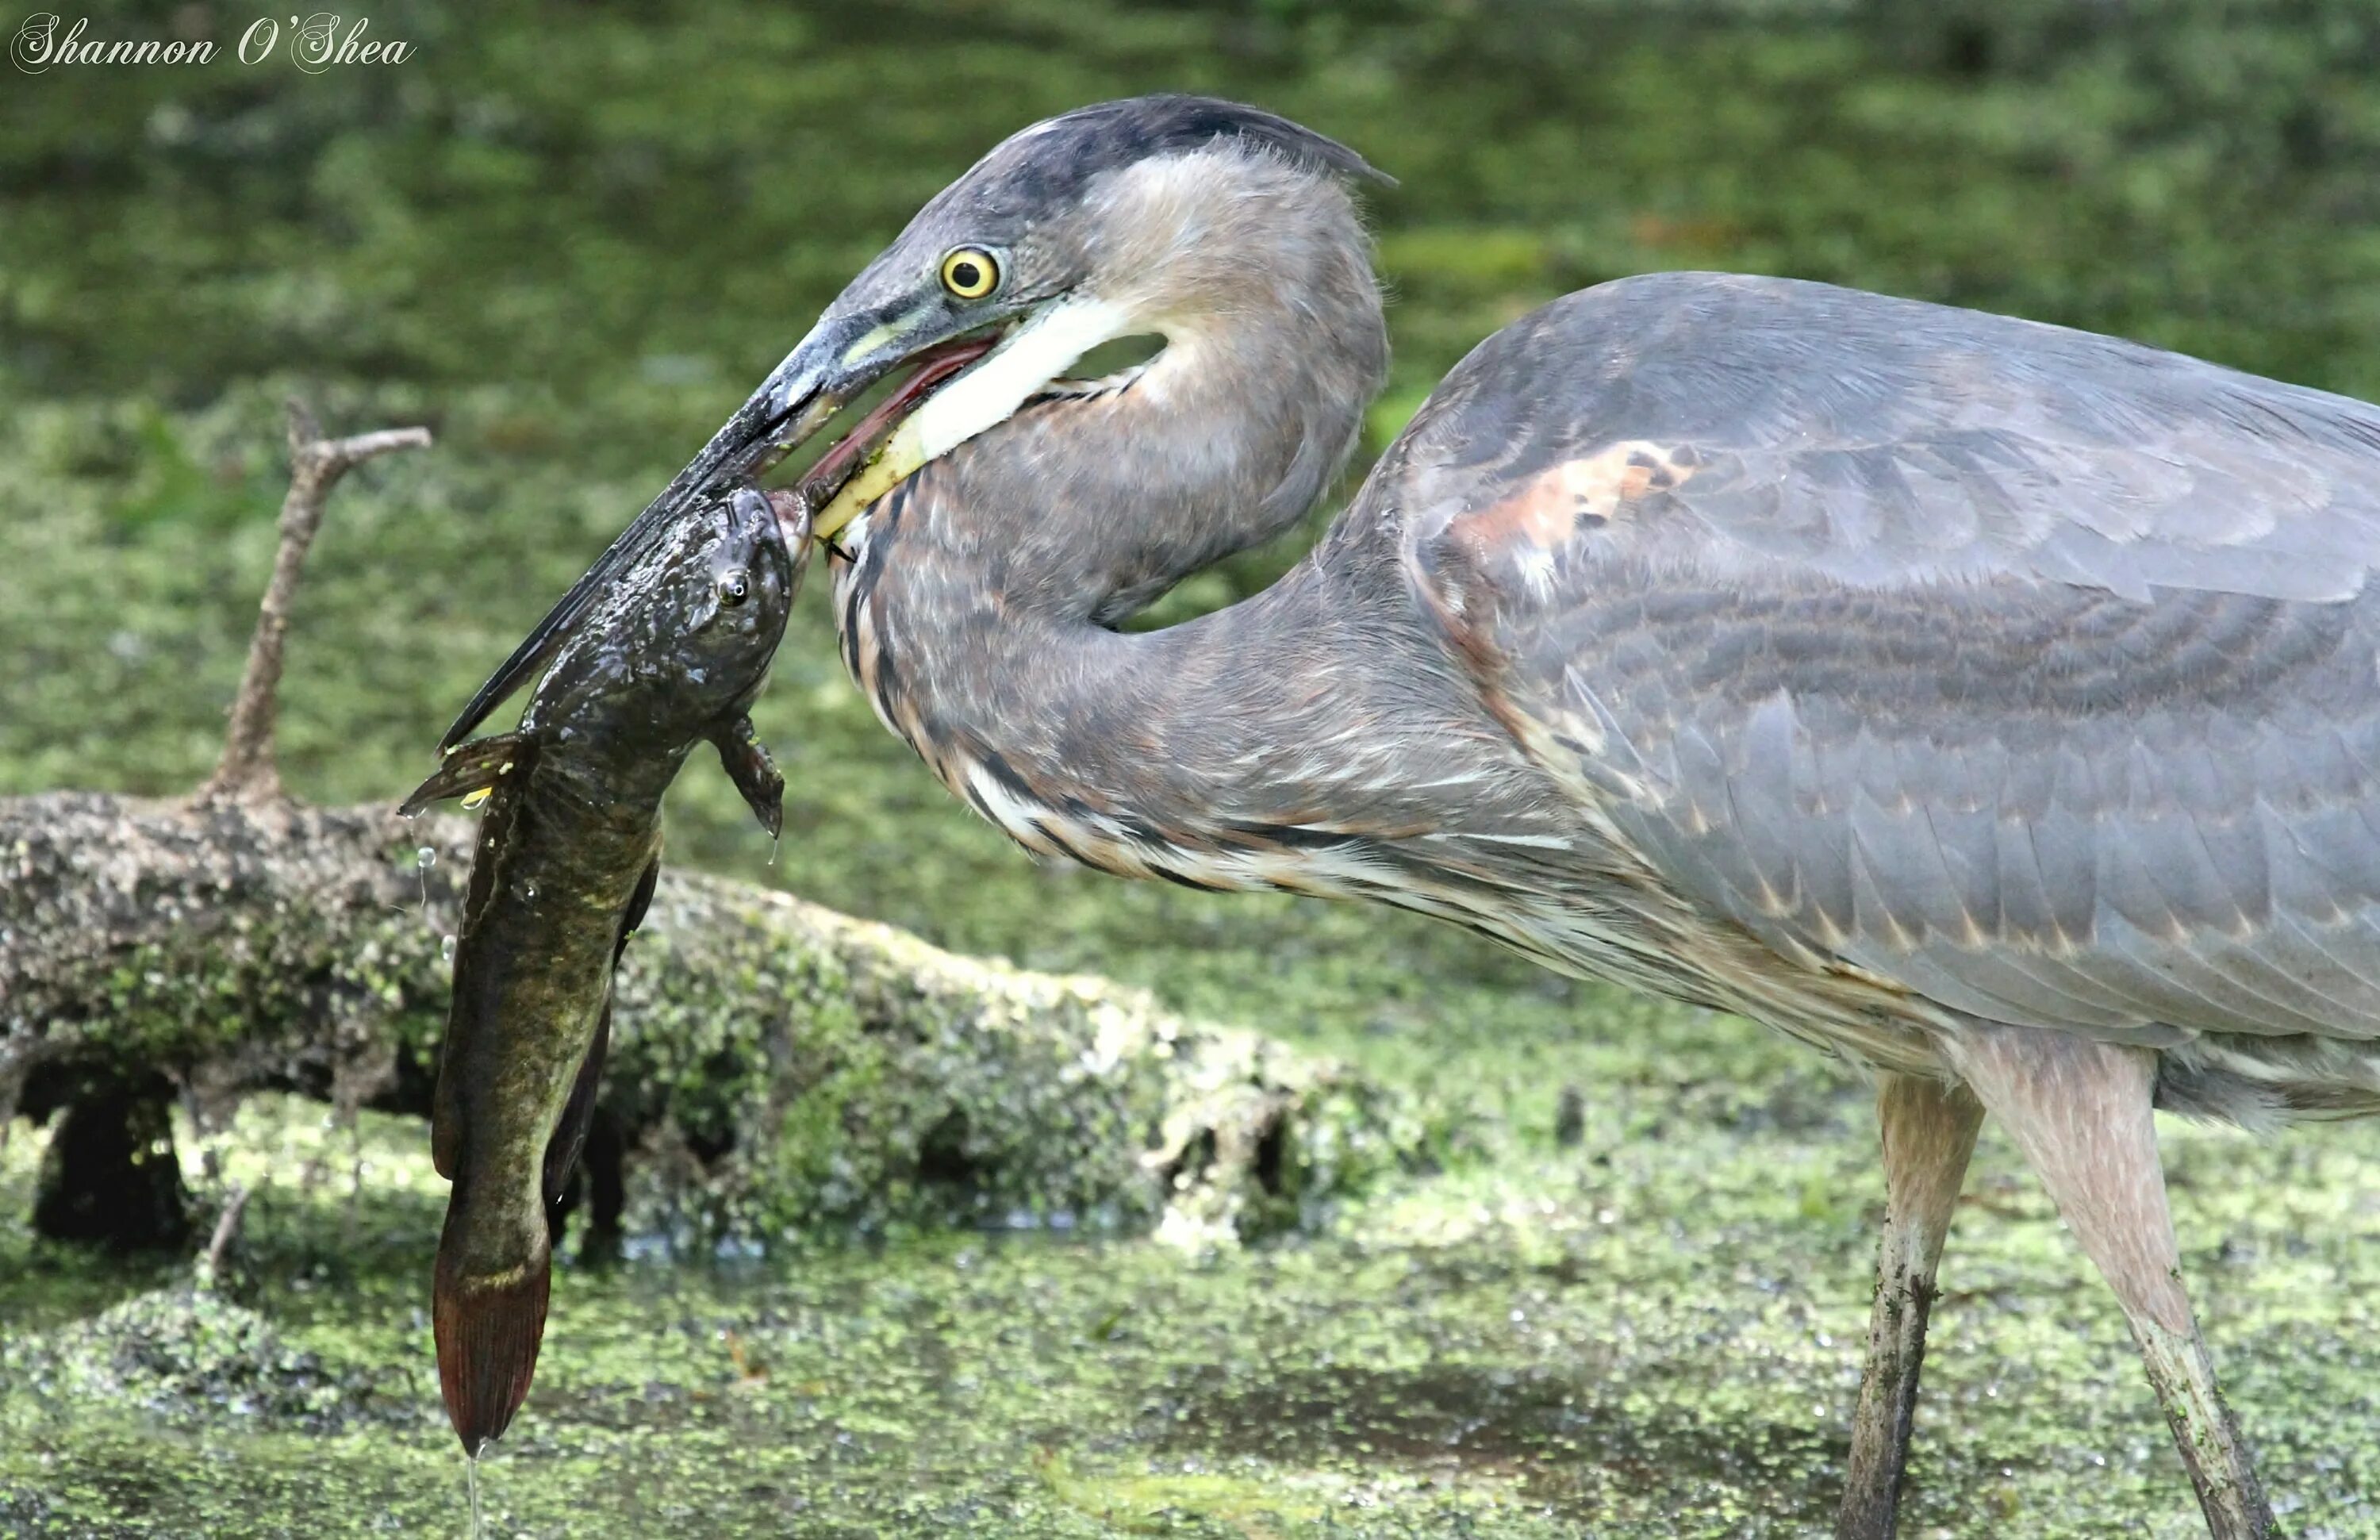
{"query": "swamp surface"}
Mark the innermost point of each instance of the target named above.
(571, 238)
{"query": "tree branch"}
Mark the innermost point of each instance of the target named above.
(226, 1229)
(248, 771)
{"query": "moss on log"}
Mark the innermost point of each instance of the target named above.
(776, 1069)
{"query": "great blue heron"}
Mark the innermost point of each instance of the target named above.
(1990, 703)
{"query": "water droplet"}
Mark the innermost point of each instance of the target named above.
(446, 948)
(425, 857)
(528, 889)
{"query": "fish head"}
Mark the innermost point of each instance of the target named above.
(685, 640)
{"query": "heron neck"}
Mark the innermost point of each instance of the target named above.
(1225, 752)
(976, 617)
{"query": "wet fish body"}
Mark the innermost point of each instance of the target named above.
(564, 866)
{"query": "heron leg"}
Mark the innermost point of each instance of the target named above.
(1929, 1131)
(2080, 1111)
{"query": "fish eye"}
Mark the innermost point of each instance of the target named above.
(970, 272)
(735, 588)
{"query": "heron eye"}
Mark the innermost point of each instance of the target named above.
(970, 272)
(734, 588)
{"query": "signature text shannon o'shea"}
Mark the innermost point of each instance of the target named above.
(314, 44)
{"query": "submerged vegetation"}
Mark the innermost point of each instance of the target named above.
(572, 238)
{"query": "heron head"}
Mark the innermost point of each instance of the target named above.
(1118, 220)
(1136, 217)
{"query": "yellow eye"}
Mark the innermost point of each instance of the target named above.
(970, 272)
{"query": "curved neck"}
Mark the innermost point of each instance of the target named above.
(977, 608)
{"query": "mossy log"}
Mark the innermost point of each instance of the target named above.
(775, 1068)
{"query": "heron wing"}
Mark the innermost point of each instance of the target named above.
(2031, 669)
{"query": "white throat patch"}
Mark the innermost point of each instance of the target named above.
(985, 397)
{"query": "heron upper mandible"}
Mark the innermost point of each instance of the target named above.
(1992, 703)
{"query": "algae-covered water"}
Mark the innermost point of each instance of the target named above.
(1650, 1334)
(571, 237)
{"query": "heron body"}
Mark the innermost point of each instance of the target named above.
(1858, 703)
(1994, 704)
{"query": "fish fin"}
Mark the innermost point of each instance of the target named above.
(755, 773)
(569, 1141)
(475, 767)
(563, 1150)
(488, 1332)
(632, 920)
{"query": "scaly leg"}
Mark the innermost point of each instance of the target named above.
(2080, 1111)
(1929, 1131)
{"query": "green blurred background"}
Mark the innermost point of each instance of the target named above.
(571, 236)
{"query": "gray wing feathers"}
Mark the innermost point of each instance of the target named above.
(2115, 909)
(2032, 669)
(1872, 440)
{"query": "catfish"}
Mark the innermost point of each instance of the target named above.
(562, 870)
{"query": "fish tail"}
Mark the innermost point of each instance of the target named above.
(488, 1330)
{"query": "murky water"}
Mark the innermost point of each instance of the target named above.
(1637, 1341)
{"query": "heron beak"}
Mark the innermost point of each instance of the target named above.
(823, 374)
(807, 392)
(779, 415)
